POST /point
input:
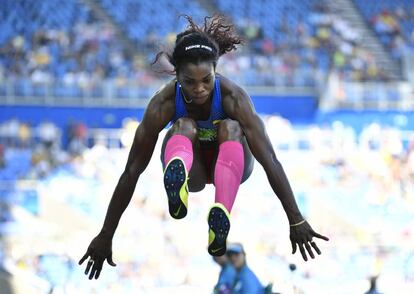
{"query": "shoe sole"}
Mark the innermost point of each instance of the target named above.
(219, 227)
(175, 183)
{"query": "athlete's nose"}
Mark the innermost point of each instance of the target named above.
(199, 89)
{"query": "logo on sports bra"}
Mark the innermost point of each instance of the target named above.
(207, 135)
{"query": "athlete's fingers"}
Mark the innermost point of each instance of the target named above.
(92, 273)
(88, 266)
(98, 269)
(302, 251)
(309, 249)
(293, 247)
(110, 261)
(315, 247)
(84, 257)
(319, 236)
(98, 272)
(93, 270)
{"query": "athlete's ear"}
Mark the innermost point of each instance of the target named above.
(177, 74)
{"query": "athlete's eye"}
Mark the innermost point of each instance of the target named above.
(207, 80)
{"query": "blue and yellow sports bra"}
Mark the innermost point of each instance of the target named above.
(207, 129)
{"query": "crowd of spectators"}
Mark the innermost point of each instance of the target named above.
(300, 53)
(81, 58)
(304, 51)
(395, 28)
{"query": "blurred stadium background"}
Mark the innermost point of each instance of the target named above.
(333, 81)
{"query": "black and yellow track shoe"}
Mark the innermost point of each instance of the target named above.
(176, 186)
(219, 227)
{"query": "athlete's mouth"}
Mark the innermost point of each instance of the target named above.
(200, 97)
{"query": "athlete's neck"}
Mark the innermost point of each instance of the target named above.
(202, 111)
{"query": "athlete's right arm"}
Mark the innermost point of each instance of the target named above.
(159, 112)
(155, 119)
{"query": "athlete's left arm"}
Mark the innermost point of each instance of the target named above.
(239, 106)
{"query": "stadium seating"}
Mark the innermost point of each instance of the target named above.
(64, 54)
(399, 22)
(27, 17)
(17, 165)
(286, 46)
(138, 18)
(270, 14)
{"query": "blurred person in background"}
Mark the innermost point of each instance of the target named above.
(78, 133)
(246, 282)
(227, 275)
(295, 288)
(25, 134)
(48, 134)
(5, 214)
(214, 135)
(11, 132)
(2, 160)
(373, 286)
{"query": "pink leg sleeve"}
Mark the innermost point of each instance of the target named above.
(228, 172)
(179, 146)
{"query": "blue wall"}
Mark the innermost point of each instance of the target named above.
(94, 117)
(294, 108)
(298, 109)
(403, 120)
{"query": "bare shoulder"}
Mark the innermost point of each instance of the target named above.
(161, 107)
(234, 98)
(167, 89)
(165, 95)
(230, 88)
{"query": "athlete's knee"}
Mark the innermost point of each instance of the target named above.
(185, 126)
(196, 186)
(229, 129)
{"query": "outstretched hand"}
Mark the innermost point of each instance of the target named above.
(302, 236)
(99, 250)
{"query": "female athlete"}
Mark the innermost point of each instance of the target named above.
(214, 135)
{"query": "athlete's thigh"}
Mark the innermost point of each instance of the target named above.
(198, 175)
(248, 161)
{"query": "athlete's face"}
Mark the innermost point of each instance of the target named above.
(197, 81)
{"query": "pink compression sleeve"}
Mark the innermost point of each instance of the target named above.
(228, 172)
(179, 146)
